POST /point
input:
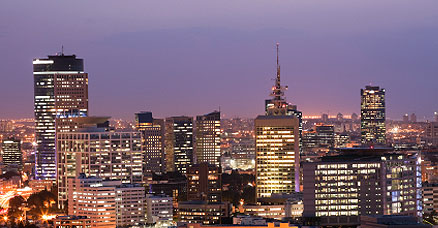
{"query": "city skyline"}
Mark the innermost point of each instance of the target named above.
(143, 61)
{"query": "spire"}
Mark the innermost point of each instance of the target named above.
(277, 82)
(278, 90)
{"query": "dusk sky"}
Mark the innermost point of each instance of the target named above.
(190, 57)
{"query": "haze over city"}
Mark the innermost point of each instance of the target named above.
(204, 55)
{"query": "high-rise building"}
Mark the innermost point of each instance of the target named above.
(322, 136)
(208, 138)
(99, 153)
(339, 189)
(339, 117)
(435, 116)
(413, 118)
(106, 203)
(11, 153)
(152, 131)
(372, 113)
(204, 183)
(354, 117)
(324, 118)
(278, 143)
(406, 118)
(178, 143)
(60, 91)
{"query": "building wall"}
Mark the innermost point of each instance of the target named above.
(108, 155)
(60, 91)
(339, 191)
(159, 207)
(277, 155)
(208, 138)
(373, 128)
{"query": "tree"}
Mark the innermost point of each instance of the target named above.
(42, 202)
(15, 205)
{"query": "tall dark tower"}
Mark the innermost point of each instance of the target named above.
(372, 114)
(60, 92)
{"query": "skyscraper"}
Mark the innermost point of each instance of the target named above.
(92, 151)
(373, 128)
(179, 143)
(60, 91)
(277, 144)
(11, 153)
(152, 131)
(208, 138)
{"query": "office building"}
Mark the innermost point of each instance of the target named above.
(268, 225)
(158, 208)
(96, 152)
(406, 118)
(106, 203)
(204, 183)
(208, 138)
(152, 131)
(278, 143)
(277, 155)
(60, 91)
(202, 212)
(391, 221)
(361, 181)
(322, 136)
(430, 197)
(179, 143)
(430, 136)
(11, 154)
(413, 118)
(372, 114)
(72, 221)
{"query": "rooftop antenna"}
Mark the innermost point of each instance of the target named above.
(62, 50)
(278, 65)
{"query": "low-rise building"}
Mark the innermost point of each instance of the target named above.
(106, 203)
(72, 221)
(158, 208)
(390, 221)
(202, 212)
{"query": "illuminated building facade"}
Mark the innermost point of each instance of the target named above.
(372, 110)
(431, 135)
(275, 211)
(179, 143)
(277, 155)
(11, 153)
(103, 154)
(430, 197)
(322, 136)
(202, 212)
(159, 208)
(60, 91)
(204, 183)
(106, 203)
(208, 138)
(278, 144)
(152, 131)
(339, 189)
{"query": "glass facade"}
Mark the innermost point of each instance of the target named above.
(60, 91)
(373, 128)
(208, 138)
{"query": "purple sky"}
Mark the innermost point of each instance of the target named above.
(190, 57)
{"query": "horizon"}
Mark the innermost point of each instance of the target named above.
(202, 58)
